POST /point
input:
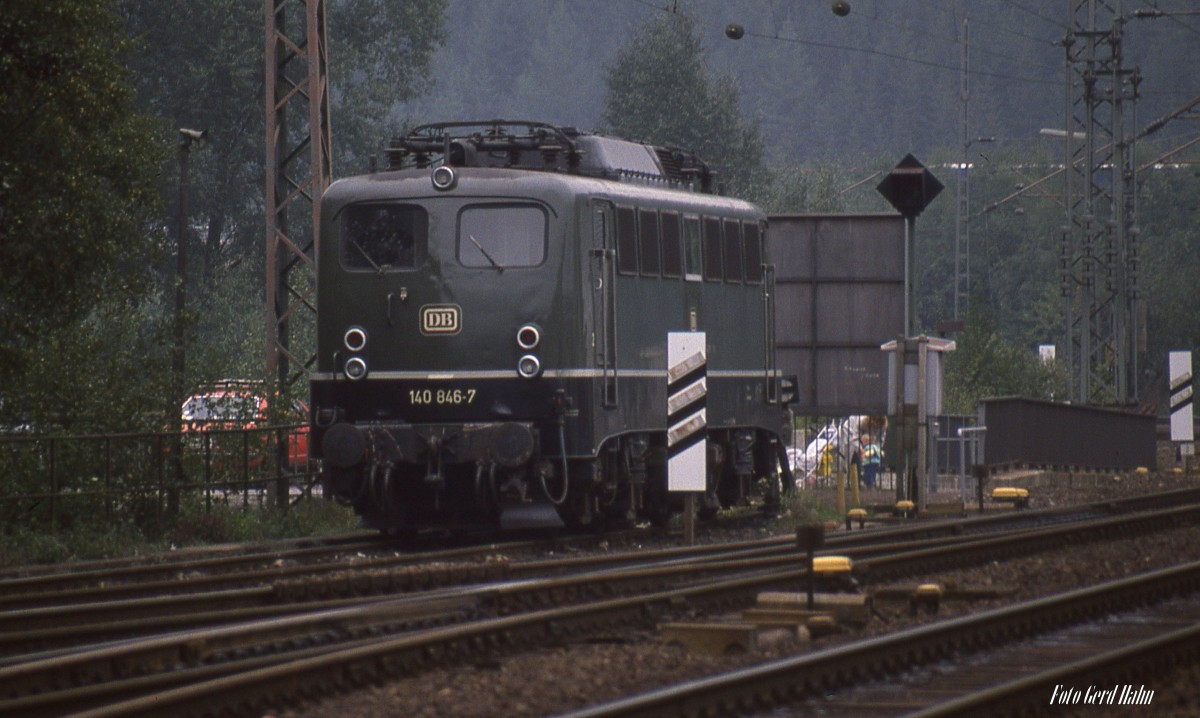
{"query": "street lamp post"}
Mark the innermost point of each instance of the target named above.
(187, 138)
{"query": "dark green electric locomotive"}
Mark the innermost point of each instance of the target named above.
(494, 313)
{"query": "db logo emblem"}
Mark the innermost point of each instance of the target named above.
(440, 319)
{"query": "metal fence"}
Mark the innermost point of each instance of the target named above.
(823, 448)
(48, 480)
(958, 443)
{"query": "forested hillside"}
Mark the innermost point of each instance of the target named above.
(804, 112)
(834, 100)
(885, 78)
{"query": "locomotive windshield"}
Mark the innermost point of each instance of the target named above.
(382, 237)
(502, 236)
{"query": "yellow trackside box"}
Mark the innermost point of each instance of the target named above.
(832, 564)
(1009, 493)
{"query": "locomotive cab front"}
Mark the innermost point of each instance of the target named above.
(440, 298)
(492, 325)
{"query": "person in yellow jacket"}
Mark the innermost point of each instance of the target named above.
(872, 457)
(825, 463)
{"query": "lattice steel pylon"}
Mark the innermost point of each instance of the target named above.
(1098, 260)
(298, 170)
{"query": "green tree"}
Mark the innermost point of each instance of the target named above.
(806, 189)
(1170, 264)
(660, 91)
(985, 365)
(379, 53)
(200, 64)
(77, 170)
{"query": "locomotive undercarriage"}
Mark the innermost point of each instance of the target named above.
(501, 474)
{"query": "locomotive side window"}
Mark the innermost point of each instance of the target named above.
(627, 258)
(753, 246)
(381, 237)
(692, 256)
(712, 249)
(501, 236)
(733, 250)
(672, 260)
(648, 242)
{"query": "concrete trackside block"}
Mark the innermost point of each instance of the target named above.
(851, 608)
(951, 592)
(795, 621)
(821, 626)
(717, 639)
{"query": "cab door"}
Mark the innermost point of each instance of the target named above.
(693, 270)
(602, 261)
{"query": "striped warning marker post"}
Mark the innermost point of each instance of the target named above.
(1183, 430)
(687, 418)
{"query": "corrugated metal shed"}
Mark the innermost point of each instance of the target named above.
(1042, 433)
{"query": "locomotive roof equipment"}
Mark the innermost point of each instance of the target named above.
(536, 146)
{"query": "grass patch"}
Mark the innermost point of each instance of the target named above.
(87, 539)
(802, 508)
(198, 527)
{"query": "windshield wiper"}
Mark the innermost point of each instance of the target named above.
(483, 251)
(354, 243)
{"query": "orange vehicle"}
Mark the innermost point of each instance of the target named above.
(240, 405)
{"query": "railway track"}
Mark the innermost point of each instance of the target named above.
(243, 664)
(56, 576)
(36, 623)
(1100, 643)
(240, 565)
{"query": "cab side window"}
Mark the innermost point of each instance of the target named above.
(712, 249)
(753, 246)
(693, 256)
(733, 250)
(648, 242)
(672, 259)
(627, 254)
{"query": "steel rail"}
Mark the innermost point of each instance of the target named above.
(52, 630)
(179, 556)
(340, 665)
(1026, 695)
(195, 575)
(114, 583)
(55, 628)
(791, 679)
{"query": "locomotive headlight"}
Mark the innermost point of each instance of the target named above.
(355, 339)
(444, 178)
(529, 336)
(355, 368)
(529, 366)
